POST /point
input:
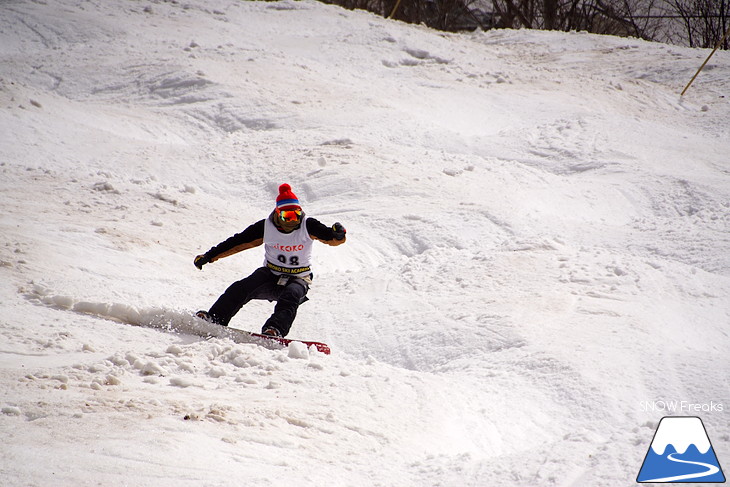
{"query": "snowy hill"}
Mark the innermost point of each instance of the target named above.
(538, 242)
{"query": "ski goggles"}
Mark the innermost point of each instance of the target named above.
(290, 215)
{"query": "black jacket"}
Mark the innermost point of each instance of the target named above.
(253, 236)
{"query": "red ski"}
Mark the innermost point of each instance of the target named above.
(321, 347)
(243, 336)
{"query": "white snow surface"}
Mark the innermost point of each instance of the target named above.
(538, 247)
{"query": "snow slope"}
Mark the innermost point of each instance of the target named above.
(537, 250)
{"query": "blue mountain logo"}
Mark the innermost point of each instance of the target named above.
(681, 452)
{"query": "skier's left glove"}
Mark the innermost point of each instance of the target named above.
(200, 261)
(338, 231)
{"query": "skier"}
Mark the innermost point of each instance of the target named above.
(287, 235)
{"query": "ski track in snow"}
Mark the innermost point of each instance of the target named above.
(537, 242)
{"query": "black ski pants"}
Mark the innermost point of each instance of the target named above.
(263, 284)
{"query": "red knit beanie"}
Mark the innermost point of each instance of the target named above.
(286, 199)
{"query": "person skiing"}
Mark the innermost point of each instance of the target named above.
(287, 234)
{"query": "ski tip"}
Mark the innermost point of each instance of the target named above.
(321, 347)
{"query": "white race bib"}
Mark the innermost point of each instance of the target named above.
(288, 253)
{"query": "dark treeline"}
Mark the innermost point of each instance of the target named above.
(694, 23)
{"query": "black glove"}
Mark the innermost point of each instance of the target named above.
(200, 261)
(338, 231)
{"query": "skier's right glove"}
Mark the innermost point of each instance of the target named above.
(200, 261)
(338, 231)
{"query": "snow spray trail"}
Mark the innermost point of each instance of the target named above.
(152, 317)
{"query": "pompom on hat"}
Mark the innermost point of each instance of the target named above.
(286, 199)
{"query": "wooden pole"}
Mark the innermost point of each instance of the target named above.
(395, 9)
(717, 46)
